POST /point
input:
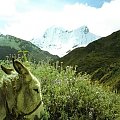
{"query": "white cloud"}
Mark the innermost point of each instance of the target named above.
(29, 24)
(107, 19)
(7, 7)
(102, 21)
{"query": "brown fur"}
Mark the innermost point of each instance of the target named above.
(21, 89)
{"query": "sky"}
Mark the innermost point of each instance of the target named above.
(28, 19)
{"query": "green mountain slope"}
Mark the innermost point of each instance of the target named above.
(100, 58)
(11, 45)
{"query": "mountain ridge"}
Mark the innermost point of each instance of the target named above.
(60, 41)
(11, 45)
(100, 59)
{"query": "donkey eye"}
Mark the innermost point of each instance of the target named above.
(36, 90)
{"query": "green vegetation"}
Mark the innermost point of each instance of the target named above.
(91, 94)
(68, 96)
(100, 59)
(10, 46)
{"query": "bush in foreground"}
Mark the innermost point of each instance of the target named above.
(70, 97)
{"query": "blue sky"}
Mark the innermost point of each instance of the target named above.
(92, 3)
(59, 4)
(30, 18)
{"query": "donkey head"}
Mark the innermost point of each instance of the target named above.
(27, 88)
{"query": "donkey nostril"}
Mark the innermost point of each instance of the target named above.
(36, 90)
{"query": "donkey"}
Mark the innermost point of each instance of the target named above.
(20, 94)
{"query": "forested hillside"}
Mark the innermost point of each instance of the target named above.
(100, 59)
(12, 46)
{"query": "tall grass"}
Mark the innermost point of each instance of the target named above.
(67, 96)
(70, 97)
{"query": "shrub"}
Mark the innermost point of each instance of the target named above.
(70, 97)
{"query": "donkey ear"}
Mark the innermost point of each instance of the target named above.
(20, 68)
(6, 70)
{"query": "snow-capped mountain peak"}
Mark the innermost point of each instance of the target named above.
(59, 41)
